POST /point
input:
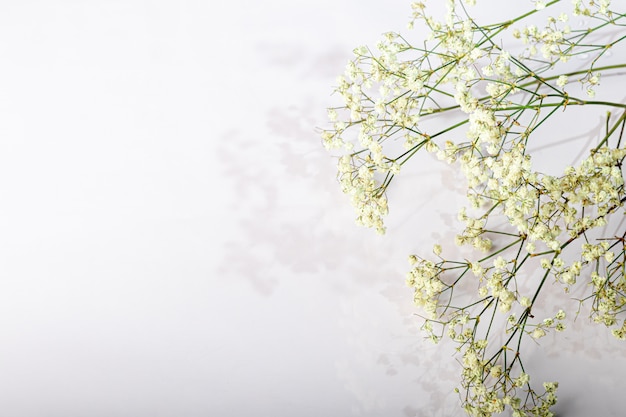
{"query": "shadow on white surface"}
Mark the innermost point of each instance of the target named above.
(174, 241)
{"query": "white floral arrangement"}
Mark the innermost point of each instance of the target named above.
(555, 225)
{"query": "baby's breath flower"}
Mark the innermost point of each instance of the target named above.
(609, 256)
(522, 379)
(558, 263)
(499, 263)
(495, 371)
(538, 333)
(517, 217)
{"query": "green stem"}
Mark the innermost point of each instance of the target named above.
(610, 132)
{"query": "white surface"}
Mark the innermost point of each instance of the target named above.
(172, 239)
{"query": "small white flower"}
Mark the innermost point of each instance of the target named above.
(522, 380)
(499, 263)
(609, 256)
(496, 371)
(538, 333)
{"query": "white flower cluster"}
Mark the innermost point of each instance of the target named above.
(424, 278)
(473, 233)
(592, 8)
(609, 287)
(490, 388)
(497, 99)
(556, 323)
(551, 41)
(365, 194)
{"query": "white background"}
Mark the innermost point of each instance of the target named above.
(172, 238)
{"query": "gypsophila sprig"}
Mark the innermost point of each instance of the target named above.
(550, 228)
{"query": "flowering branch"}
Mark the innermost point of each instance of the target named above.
(553, 225)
